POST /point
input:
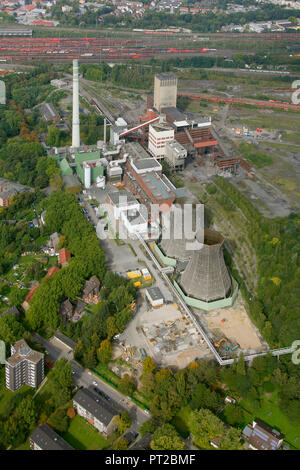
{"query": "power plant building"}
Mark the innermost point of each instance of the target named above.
(165, 90)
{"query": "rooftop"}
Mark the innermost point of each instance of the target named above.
(97, 406)
(47, 439)
(23, 351)
(122, 198)
(157, 187)
(155, 293)
(166, 76)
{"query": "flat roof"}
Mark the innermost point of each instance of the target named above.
(136, 151)
(81, 157)
(155, 293)
(122, 198)
(23, 351)
(156, 185)
(147, 163)
(166, 76)
(47, 439)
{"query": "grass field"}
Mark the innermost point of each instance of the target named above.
(83, 436)
(6, 395)
(271, 415)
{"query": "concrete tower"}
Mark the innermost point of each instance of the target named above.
(75, 123)
(165, 90)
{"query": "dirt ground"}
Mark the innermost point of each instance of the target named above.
(237, 326)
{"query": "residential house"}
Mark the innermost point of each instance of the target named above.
(260, 436)
(66, 310)
(52, 271)
(63, 257)
(91, 290)
(45, 438)
(54, 240)
(25, 366)
(96, 410)
(28, 297)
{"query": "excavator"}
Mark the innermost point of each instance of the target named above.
(217, 345)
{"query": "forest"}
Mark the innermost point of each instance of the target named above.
(275, 306)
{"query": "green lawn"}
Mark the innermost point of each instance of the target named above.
(271, 415)
(5, 394)
(83, 436)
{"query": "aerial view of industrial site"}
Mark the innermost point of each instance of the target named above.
(150, 229)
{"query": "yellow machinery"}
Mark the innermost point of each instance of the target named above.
(134, 274)
(217, 345)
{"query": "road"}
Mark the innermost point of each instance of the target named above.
(84, 378)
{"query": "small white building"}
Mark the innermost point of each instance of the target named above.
(154, 296)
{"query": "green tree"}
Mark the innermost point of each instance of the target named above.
(166, 438)
(126, 385)
(234, 414)
(121, 444)
(205, 426)
(104, 352)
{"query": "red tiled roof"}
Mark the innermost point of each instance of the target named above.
(30, 294)
(52, 271)
(63, 255)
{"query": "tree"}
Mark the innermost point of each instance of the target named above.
(123, 421)
(104, 352)
(126, 385)
(147, 426)
(60, 421)
(234, 414)
(111, 327)
(204, 426)
(121, 444)
(231, 440)
(53, 138)
(240, 367)
(62, 380)
(166, 438)
(149, 365)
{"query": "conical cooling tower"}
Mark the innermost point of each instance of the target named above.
(173, 242)
(206, 276)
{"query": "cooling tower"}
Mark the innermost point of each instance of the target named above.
(173, 243)
(206, 276)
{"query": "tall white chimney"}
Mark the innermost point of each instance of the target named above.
(75, 123)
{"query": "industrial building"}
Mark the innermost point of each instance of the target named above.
(159, 135)
(206, 276)
(154, 296)
(165, 90)
(48, 112)
(175, 155)
(24, 366)
(89, 168)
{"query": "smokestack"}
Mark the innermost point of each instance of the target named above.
(75, 123)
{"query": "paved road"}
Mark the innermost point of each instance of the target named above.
(83, 377)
